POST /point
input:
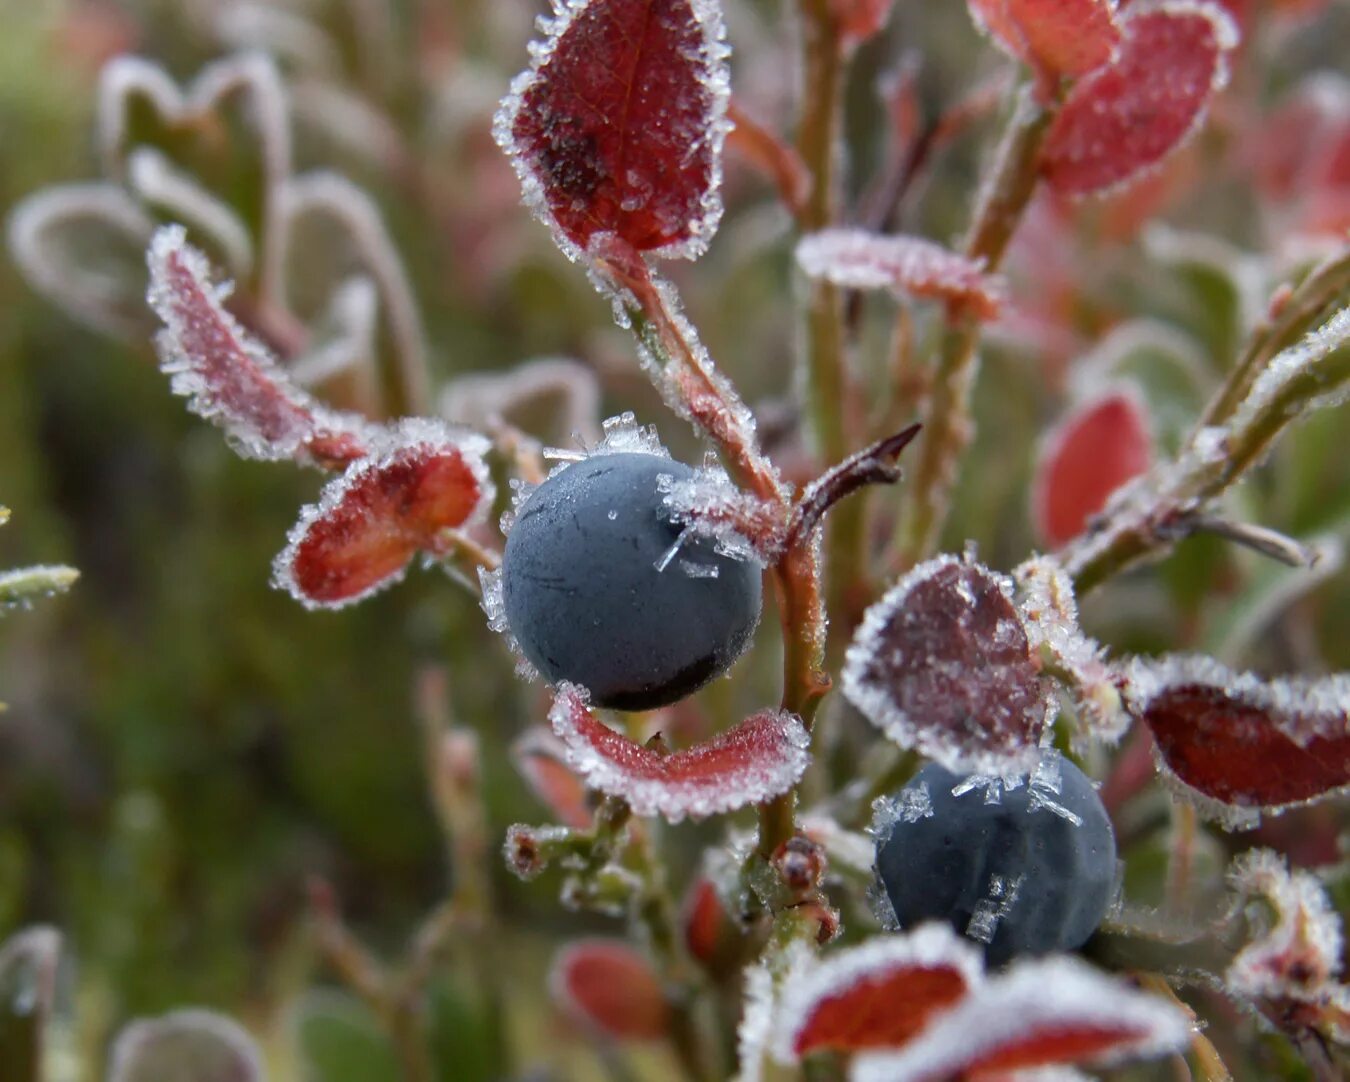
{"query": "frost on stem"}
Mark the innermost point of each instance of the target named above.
(942, 664)
(611, 989)
(617, 127)
(1123, 119)
(907, 266)
(879, 995)
(420, 480)
(757, 760)
(1056, 37)
(710, 506)
(1039, 1014)
(1236, 745)
(187, 1044)
(229, 378)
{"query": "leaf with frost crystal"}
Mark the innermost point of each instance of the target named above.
(229, 378)
(1236, 745)
(757, 760)
(942, 664)
(907, 266)
(618, 126)
(421, 480)
(24, 585)
(1041, 1013)
(1056, 37)
(610, 988)
(185, 1046)
(878, 995)
(1094, 450)
(1123, 119)
(540, 759)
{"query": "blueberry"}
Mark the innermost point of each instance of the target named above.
(587, 603)
(1030, 874)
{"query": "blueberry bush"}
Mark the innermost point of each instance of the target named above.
(828, 562)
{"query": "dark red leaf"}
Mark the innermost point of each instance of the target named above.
(610, 988)
(371, 521)
(879, 995)
(1041, 1013)
(1056, 37)
(707, 924)
(541, 759)
(942, 664)
(761, 758)
(1240, 743)
(1099, 446)
(228, 377)
(1125, 118)
(618, 125)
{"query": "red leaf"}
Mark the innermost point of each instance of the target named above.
(618, 125)
(879, 995)
(1099, 446)
(371, 521)
(1125, 118)
(1240, 744)
(707, 925)
(859, 20)
(942, 664)
(1041, 1013)
(541, 760)
(609, 987)
(909, 266)
(230, 379)
(1056, 37)
(761, 758)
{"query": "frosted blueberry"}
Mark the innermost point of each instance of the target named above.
(1028, 873)
(597, 594)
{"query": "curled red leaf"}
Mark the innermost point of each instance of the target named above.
(907, 266)
(541, 760)
(618, 126)
(942, 664)
(422, 480)
(1056, 37)
(1094, 450)
(1122, 119)
(761, 758)
(610, 988)
(1042, 1013)
(879, 995)
(1237, 745)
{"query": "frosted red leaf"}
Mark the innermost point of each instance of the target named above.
(609, 987)
(859, 20)
(1056, 37)
(942, 664)
(761, 758)
(618, 126)
(1039, 1014)
(907, 266)
(228, 377)
(1123, 119)
(421, 480)
(1094, 450)
(878, 995)
(541, 760)
(1236, 744)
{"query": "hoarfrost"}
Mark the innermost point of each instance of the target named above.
(711, 507)
(159, 184)
(756, 1026)
(1298, 362)
(993, 907)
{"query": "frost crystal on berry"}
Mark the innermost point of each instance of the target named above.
(942, 664)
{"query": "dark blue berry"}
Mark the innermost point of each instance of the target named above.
(587, 603)
(1030, 874)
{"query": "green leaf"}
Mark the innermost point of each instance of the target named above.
(340, 1040)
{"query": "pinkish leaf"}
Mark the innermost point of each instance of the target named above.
(1237, 745)
(942, 664)
(859, 20)
(421, 480)
(228, 377)
(617, 128)
(1125, 118)
(610, 988)
(541, 759)
(706, 923)
(1056, 37)
(907, 266)
(879, 995)
(1042, 1013)
(1094, 450)
(761, 758)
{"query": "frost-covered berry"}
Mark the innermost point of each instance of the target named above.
(597, 593)
(1023, 865)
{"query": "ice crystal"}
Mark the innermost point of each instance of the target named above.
(1289, 369)
(757, 1022)
(711, 507)
(993, 907)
